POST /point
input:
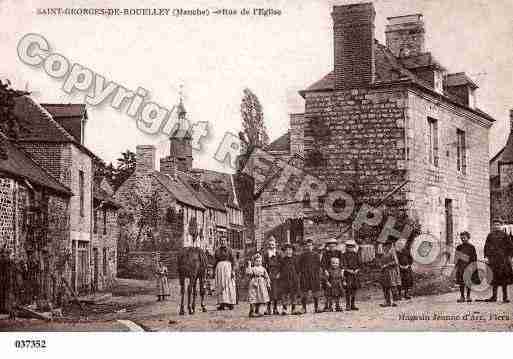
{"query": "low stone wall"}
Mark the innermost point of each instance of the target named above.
(141, 264)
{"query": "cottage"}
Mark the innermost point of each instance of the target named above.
(34, 230)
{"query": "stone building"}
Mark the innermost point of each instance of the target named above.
(33, 223)
(390, 126)
(501, 180)
(57, 145)
(179, 205)
(105, 235)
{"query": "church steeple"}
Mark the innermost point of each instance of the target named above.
(180, 149)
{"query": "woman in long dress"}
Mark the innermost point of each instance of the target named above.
(225, 276)
(162, 282)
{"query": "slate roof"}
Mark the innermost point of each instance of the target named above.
(69, 116)
(201, 193)
(507, 153)
(282, 143)
(390, 70)
(37, 125)
(220, 184)
(459, 79)
(16, 162)
(100, 195)
(40, 124)
(181, 192)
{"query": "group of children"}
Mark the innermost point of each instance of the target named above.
(289, 278)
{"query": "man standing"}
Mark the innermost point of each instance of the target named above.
(271, 263)
(309, 265)
(331, 251)
(498, 250)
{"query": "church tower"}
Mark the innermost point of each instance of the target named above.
(180, 149)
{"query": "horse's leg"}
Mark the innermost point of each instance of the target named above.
(193, 281)
(189, 292)
(202, 292)
(182, 293)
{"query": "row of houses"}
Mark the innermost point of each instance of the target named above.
(176, 206)
(66, 227)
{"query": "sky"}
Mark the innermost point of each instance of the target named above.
(214, 58)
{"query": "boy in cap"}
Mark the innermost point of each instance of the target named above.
(405, 267)
(465, 255)
(351, 266)
(309, 265)
(390, 276)
(288, 279)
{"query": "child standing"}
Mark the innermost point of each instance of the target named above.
(390, 276)
(289, 280)
(351, 266)
(259, 286)
(334, 284)
(405, 266)
(465, 256)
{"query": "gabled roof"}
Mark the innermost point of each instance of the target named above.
(425, 59)
(220, 184)
(178, 190)
(282, 143)
(15, 162)
(207, 198)
(100, 195)
(70, 116)
(39, 126)
(507, 152)
(459, 79)
(65, 109)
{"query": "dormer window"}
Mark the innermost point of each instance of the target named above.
(461, 88)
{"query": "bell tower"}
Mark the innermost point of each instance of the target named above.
(180, 144)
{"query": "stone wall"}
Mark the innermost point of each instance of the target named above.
(431, 186)
(7, 209)
(357, 136)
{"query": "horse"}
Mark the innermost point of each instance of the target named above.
(192, 265)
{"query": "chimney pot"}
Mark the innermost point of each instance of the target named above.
(405, 35)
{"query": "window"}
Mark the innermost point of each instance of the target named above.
(95, 221)
(81, 191)
(461, 152)
(104, 257)
(104, 221)
(433, 141)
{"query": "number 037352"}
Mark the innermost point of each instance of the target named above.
(30, 344)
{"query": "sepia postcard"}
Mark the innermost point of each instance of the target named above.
(255, 166)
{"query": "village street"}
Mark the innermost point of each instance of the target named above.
(142, 312)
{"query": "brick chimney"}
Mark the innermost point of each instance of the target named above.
(145, 159)
(405, 35)
(353, 29)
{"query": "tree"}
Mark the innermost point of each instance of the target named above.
(10, 124)
(124, 169)
(253, 126)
